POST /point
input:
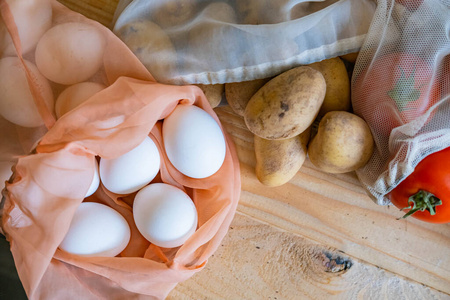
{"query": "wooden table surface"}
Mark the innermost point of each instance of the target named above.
(317, 237)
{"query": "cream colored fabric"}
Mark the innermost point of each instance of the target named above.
(211, 42)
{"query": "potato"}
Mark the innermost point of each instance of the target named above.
(286, 105)
(203, 50)
(174, 12)
(220, 11)
(213, 93)
(350, 57)
(343, 143)
(151, 45)
(249, 11)
(262, 11)
(239, 93)
(337, 96)
(277, 161)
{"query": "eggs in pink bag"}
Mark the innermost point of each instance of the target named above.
(131, 171)
(74, 95)
(70, 53)
(194, 142)
(32, 19)
(95, 181)
(16, 101)
(164, 215)
(96, 230)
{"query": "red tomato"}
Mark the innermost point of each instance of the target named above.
(394, 90)
(445, 76)
(425, 194)
(411, 5)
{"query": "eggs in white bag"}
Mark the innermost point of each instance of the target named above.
(96, 230)
(70, 53)
(16, 100)
(131, 171)
(193, 141)
(164, 215)
(74, 95)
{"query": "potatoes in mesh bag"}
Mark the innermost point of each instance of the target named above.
(151, 45)
(174, 12)
(201, 52)
(263, 11)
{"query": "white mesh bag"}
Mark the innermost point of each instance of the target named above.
(209, 42)
(401, 87)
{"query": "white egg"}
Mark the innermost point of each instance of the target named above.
(193, 141)
(16, 101)
(96, 230)
(131, 171)
(95, 181)
(164, 215)
(74, 95)
(32, 19)
(70, 53)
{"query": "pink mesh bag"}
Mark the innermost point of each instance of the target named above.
(54, 157)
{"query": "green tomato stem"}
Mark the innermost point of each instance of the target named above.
(404, 90)
(421, 201)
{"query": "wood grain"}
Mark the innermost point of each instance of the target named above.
(334, 210)
(257, 261)
(100, 10)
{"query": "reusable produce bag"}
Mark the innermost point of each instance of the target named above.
(401, 87)
(49, 183)
(210, 42)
